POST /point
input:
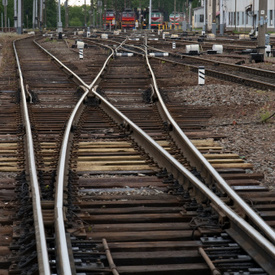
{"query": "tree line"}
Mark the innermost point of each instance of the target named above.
(89, 14)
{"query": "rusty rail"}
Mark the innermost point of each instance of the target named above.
(109, 257)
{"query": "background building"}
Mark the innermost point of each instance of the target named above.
(198, 17)
(241, 15)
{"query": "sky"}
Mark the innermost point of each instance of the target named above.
(76, 2)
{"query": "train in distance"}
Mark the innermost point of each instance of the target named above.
(157, 19)
(128, 18)
(176, 18)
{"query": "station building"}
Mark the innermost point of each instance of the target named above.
(245, 14)
(240, 15)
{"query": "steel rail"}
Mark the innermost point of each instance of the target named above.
(222, 75)
(164, 159)
(41, 245)
(64, 267)
(207, 43)
(200, 161)
(241, 68)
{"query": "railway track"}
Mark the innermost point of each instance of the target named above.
(12, 171)
(229, 46)
(226, 71)
(129, 204)
(229, 72)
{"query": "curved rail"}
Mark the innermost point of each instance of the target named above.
(64, 267)
(41, 246)
(164, 159)
(199, 161)
(202, 165)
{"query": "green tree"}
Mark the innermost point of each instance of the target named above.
(75, 22)
(76, 13)
(76, 16)
(51, 14)
(9, 12)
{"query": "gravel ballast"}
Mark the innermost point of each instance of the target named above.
(238, 114)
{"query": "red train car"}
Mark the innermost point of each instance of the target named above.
(110, 18)
(128, 19)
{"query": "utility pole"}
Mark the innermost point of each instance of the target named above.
(19, 17)
(99, 11)
(150, 14)
(139, 15)
(190, 15)
(41, 15)
(105, 7)
(91, 14)
(5, 4)
(59, 23)
(175, 7)
(214, 17)
(262, 26)
(33, 14)
(85, 14)
(36, 14)
(205, 16)
(15, 13)
(66, 14)
(221, 18)
(235, 15)
(97, 15)
(253, 15)
(45, 14)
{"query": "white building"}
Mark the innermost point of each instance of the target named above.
(241, 15)
(198, 17)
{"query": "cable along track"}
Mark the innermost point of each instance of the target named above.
(181, 175)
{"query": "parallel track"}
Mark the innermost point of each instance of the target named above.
(236, 73)
(100, 128)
